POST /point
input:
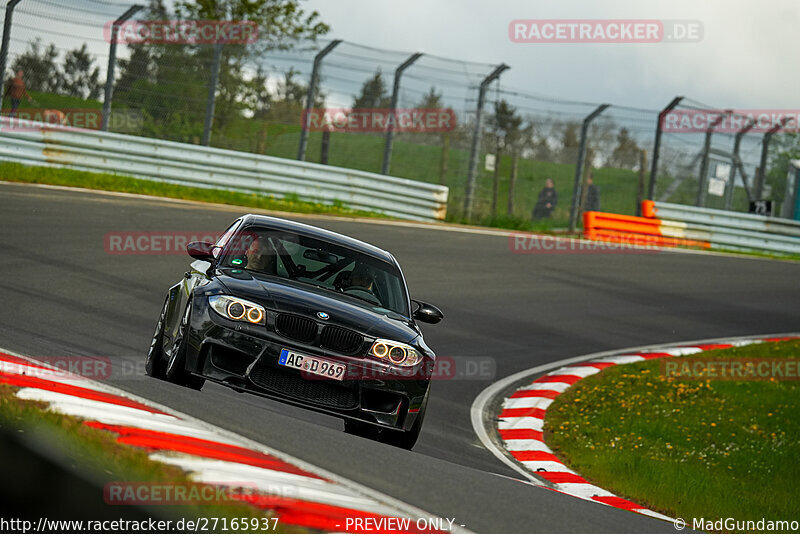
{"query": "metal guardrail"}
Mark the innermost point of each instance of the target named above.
(200, 166)
(726, 219)
(726, 229)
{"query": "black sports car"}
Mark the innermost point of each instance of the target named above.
(301, 314)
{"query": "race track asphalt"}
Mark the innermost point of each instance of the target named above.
(65, 295)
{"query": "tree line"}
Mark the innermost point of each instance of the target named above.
(168, 84)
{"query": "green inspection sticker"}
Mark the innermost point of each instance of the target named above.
(237, 261)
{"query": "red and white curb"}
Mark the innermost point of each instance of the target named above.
(520, 422)
(296, 492)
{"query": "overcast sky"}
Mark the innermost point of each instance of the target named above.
(747, 57)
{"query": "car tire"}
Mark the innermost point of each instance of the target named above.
(176, 365)
(154, 364)
(406, 439)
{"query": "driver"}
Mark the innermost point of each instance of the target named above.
(361, 277)
(261, 257)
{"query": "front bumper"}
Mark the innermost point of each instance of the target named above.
(245, 358)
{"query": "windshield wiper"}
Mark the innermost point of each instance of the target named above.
(368, 301)
(317, 285)
(371, 302)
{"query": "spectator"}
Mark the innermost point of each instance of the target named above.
(592, 196)
(15, 91)
(548, 198)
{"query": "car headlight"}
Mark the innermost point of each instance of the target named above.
(395, 352)
(237, 309)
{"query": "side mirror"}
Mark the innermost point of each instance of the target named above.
(427, 313)
(201, 250)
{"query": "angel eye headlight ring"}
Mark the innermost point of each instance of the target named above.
(256, 317)
(397, 355)
(236, 309)
(380, 350)
(395, 352)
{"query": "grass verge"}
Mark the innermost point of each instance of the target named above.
(17, 172)
(690, 449)
(97, 453)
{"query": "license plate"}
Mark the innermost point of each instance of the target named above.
(312, 365)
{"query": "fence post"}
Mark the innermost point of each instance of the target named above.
(702, 182)
(4, 47)
(445, 158)
(576, 191)
(476, 139)
(212, 94)
(651, 190)
(312, 87)
(512, 182)
(758, 190)
(112, 60)
(640, 187)
(387, 149)
(736, 163)
(326, 143)
(496, 173)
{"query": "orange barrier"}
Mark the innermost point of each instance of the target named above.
(649, 209)
(644, 231)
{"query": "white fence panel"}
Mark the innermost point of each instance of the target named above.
(199, 166)
(729, 229)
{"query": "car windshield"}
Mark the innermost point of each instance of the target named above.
(360, 278)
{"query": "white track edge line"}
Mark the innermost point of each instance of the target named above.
(410, 510)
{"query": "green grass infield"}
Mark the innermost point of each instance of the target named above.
(690, 448)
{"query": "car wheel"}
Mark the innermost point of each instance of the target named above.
(154, 363)
(176, 370)
(406, 439)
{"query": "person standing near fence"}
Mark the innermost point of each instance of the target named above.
(592, 196)
(15, 91)
(546, 203)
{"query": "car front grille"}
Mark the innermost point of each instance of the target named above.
(341, 340)
(295, 327)
(293, 385)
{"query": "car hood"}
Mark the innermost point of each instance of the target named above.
(288, 296)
